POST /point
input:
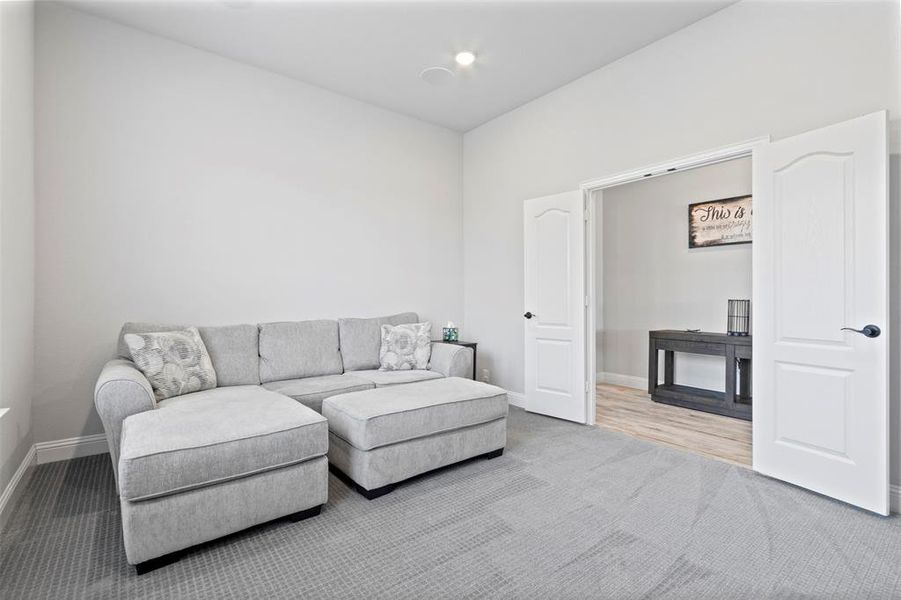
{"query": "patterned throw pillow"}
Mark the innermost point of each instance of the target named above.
(405, 347)
(174, 362)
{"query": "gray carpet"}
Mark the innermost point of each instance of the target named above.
(568, 512)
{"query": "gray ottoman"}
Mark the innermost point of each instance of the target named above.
(380, 437)
(211, 463)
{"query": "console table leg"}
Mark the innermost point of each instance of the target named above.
(730, 377)
(669, 367)
(744, 379)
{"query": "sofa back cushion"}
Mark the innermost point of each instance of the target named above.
(292, 350)
(235, 352)
(361, 339)
(233, 349)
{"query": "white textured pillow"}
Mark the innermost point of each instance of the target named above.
(174, 362)
(405, 347)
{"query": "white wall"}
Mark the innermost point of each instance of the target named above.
(751, 69)
(177, 186)
(651, 279)
(16, 233)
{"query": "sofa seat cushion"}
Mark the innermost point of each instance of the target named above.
(212, 436)
(311, 391)
(384, 416)
(388, 378)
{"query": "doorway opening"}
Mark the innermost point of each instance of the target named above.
(663, 270)
(821, 307)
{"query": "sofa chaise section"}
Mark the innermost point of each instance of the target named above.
(196, 467)
(122, 390)
(208, 464)
(180, 447)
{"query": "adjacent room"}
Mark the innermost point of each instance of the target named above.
(672, 263)
(450, 299)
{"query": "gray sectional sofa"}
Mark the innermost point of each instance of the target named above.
(196, 467)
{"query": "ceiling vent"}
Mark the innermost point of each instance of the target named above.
(439, 76)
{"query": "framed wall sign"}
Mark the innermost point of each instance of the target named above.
(719, 222)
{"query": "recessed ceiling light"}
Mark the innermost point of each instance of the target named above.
(464, 59)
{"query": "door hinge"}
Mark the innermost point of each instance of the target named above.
(587, 386)
(587, 301)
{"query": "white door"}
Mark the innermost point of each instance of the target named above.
(554, 311)
(821, 265)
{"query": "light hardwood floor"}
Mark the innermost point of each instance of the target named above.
(632, 411)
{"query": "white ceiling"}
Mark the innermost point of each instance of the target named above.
(374, 51)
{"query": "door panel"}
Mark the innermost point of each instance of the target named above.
(555, 358)
(552, 236)
(820, 265)
(807, 391)
(812, 203)
(554, 288)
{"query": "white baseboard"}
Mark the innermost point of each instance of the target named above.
(516, 399)
(46, 452)
(85, 445)
(16, 485)
(640, 383)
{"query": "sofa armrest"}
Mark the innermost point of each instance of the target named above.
(451, 360)
(121, 391)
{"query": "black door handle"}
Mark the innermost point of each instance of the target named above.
(529, 315)
(871, 331)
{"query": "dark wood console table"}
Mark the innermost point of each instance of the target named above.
(735, 349)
